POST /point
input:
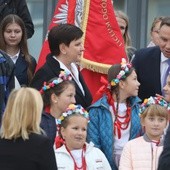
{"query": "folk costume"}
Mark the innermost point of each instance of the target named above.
(86, 157)
(113, 124)
(94, 158)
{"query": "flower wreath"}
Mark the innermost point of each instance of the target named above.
(72, 109)
(125, 67)
(63, 76)
(159, 100)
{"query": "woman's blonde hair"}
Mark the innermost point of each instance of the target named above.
(22, 115)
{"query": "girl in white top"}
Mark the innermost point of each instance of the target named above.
(75, 153)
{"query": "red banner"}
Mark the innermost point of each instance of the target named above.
(103, 42)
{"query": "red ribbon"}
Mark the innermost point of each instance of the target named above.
(103, 90)
(58, 142)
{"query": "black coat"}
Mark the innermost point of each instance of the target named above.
(35, 153)
(52, 69)
(48, 124)
(18, 7)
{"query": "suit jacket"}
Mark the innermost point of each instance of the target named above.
(147, 65)
(52, 69)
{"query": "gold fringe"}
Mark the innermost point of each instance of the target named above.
(94, 66)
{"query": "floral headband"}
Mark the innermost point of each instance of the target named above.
(125, 67)
(153, 100)
(72, 109)
(63, 76)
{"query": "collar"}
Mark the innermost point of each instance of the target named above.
(163, 58)
(145, 137)
(62, 66)
(15, 57)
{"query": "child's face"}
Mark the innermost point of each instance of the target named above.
(167, 89)
(154, 126)
(75, 133)
(13, 34)
(131, 85)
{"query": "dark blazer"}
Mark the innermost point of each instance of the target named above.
(52, 69)
(164, 160)
(21, 69)
(147, 65)
(36, 153)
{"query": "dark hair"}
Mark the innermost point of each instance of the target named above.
(9, 19)
(57, 89)
(165, 21)
(63, 33)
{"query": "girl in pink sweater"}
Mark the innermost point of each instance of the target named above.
(143, 152)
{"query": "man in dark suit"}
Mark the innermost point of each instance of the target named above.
(65, 42)
(151, 64)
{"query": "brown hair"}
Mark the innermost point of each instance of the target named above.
(9, 19)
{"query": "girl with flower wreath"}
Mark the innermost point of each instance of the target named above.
(57, 95)
(144, 152)
(75, 153)
(114, 118)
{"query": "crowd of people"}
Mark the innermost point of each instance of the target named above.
(50, 120)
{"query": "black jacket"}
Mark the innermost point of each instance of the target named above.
(35, 153)
(52, 69)
(48, 124)
(18, 7)
(147, 66)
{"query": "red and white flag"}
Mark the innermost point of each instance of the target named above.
(102, 39)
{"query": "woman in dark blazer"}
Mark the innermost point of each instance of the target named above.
(65, 42)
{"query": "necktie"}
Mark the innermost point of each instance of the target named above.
(167, 72)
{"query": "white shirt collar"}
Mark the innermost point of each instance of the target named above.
(74, 72)
(163, 58)
(15, 57)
